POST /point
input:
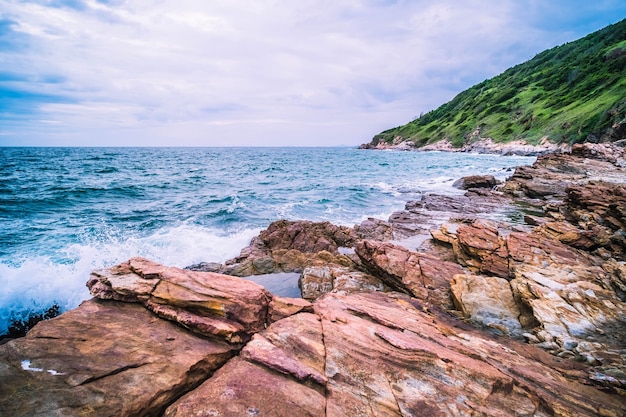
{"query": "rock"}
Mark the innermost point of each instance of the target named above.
(487, 301)
(281, 307)
(377, 366)
(551, 174)
(570, 235)
(291, 246)
(477, 246)
(599, 209)
(207, 303)
(417, 274)
(475, 181)
(104, 358)
(281, 372)
(317, 281)
(605, 152)
(380, 354)
(306, 236)
(374, 229)
(516, 147)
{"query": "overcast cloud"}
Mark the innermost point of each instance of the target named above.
(263, 73)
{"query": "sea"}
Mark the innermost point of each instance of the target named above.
(67, 211)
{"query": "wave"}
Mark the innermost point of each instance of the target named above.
(33, 285)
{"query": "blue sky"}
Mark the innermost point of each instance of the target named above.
(257, 73)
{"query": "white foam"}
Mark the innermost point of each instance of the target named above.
(26, 366)
(37, 283)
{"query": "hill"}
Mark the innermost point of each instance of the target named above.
(572, 93)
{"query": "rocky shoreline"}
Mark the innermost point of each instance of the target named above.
(507, 300)
(478, 145)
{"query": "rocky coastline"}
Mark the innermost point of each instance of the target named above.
(476, 145)
(507, 300)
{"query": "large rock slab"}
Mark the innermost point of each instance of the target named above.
(104, 358)
(383, 354)
(386, 356)
(207, 303)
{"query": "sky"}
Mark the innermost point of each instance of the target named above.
(258, 72)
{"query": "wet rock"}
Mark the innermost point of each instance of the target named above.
(104, 358)
(306, 236)
(475, 181)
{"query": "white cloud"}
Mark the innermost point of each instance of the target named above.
(256, 73)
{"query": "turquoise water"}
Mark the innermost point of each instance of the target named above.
(67, 211)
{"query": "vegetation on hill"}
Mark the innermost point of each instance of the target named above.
(569, 93)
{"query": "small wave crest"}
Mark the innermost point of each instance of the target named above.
(33, 285)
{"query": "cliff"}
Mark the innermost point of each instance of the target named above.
(568, 94)
(505, 301)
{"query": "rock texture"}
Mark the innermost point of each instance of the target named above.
(206, 303)
(105, 358)
(352, 357)
(475, 181)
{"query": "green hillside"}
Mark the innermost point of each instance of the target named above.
(566, 93)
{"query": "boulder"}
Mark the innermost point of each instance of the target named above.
(291, 246)
(475, 181)
(306, 236)
(210, 304)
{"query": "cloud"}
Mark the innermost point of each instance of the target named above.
(255, 73)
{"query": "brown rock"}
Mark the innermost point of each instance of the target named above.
(477, 246)
(306, 236)
(291, 246)
(282, 307)
(378, 354)
(281, 372)
(211, 304)
(104, 358)
(319, 280)
(551, 174)
(602, 152)
(475, 181)
(374, 229)
(385, 356)
(418, 274)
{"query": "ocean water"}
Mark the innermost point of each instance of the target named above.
(67, 211)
